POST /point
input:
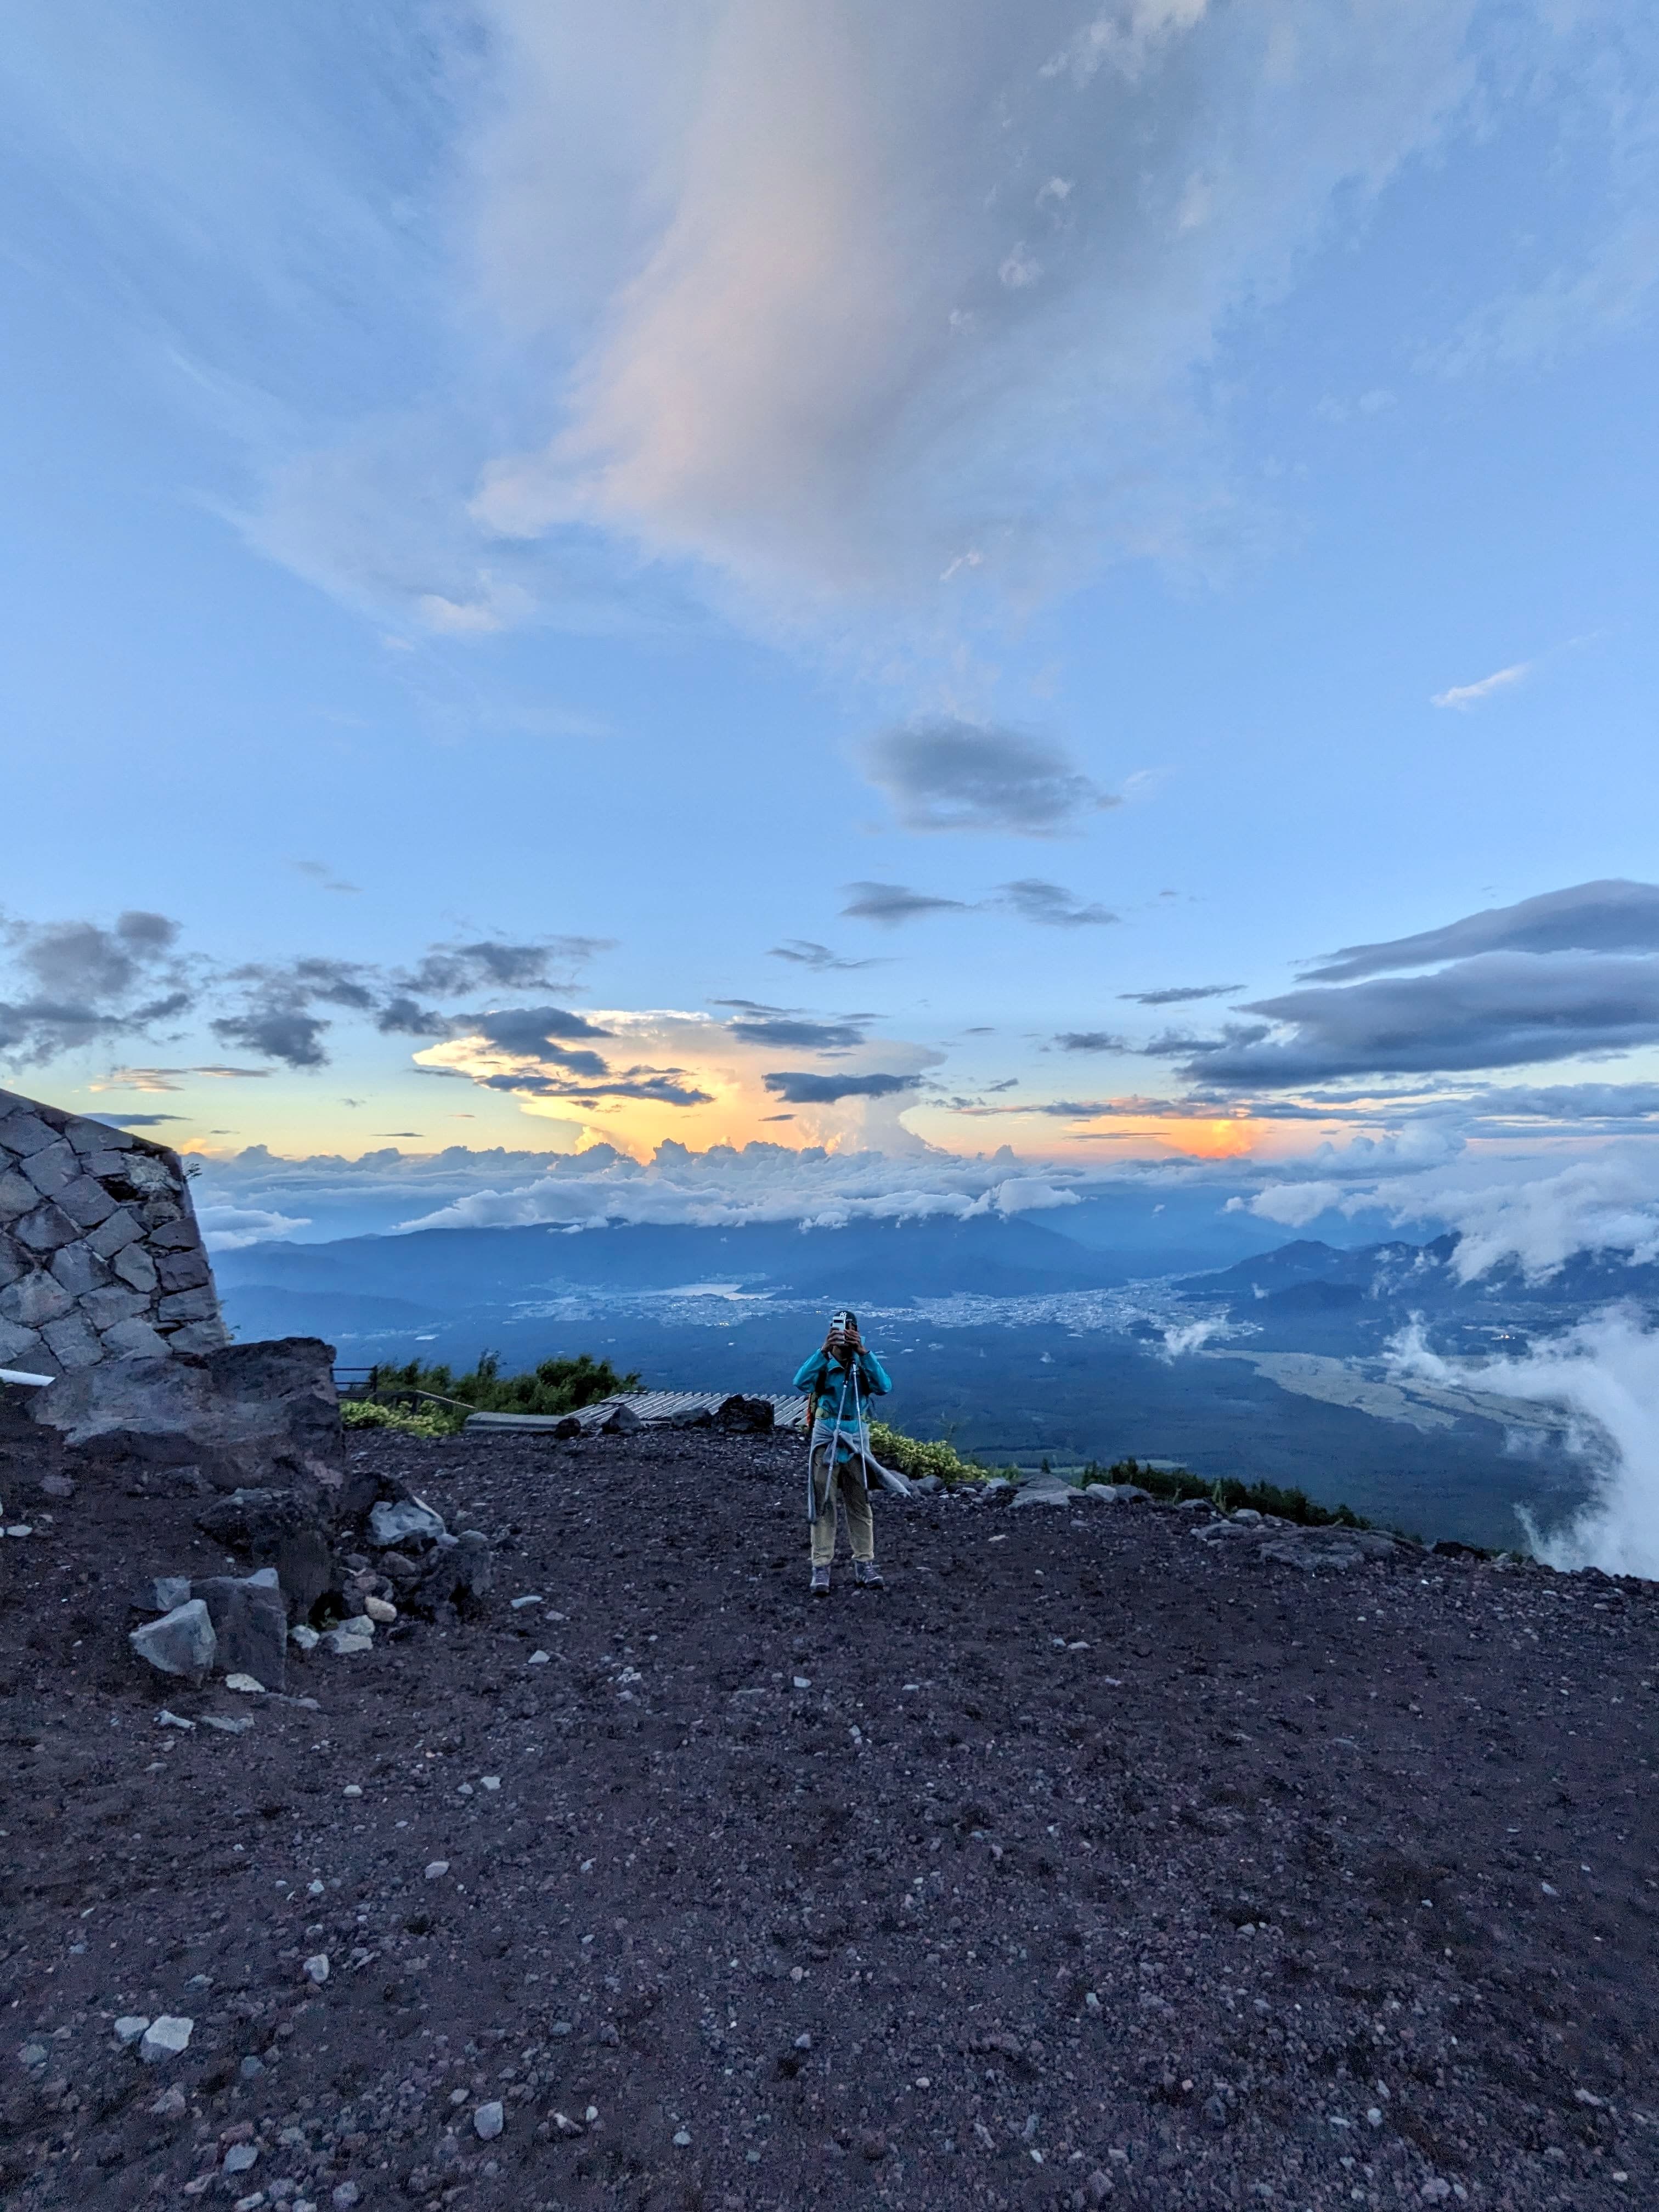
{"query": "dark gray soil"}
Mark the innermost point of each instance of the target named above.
(1086, 1862)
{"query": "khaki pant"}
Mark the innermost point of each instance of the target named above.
(849, 1481)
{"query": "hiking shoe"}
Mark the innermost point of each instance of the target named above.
(867, 1575)
(820, 1584)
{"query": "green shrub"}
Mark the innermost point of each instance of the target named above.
(556, 1386)
(1227, 1493)
(915, 1457)
(364, 1413)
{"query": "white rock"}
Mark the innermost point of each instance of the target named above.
(350, 1638)
(488, 2121)
(304, 1636)
(381, 1609)
(436, 1868)
(353, 1789)
(21, 1528)
(538, 1659)
(181, 1642)
(316, 1968)
(249, 1685)
(534, 1598)
(490, 1781)
(165, 1719)
(166, 2038)
(389, 1524)
(682, 2138)
(131, 2026)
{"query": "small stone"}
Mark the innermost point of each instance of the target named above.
(251, 2068)
(436, 1868)
(21, 1528)
(390, 1524)
(1098, 2187)
(488, 2121)
(682, 2138)
(34, 2054)
(166, 2038)
(249, 1685)
(304, 1638)
(315, 1969)
(1435, 2190)
(353, 1789)
(131, 2026)
(567, 2126)
(489, 1781)
(803, 1681)
(351, 1637)
(533, 1598)
(170, 2105)
(241, 2157)
(537, 1659)
(345, 2195)
(379, 1609)
(165, 1719)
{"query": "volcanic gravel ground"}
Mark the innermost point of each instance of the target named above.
(1085, 1863)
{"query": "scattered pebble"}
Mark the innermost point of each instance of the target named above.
(315, 1969)
(249, 1685)
(488, 2121)
(537, 1659)
(352, 1789)
(166, 2038)
(436, 1868)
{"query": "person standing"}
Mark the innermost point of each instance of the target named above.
(839, 1381)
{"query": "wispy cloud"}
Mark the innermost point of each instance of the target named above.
(1462, 696)
(806, 953)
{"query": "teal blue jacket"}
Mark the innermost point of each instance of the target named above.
(821, 1379)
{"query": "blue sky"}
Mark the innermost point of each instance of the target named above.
(654, 502)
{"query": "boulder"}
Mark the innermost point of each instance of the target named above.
(746, 1417)
(250, 1621)
(283, 1529)
(394, 1522)
(181, 1642)
(248, 1415)
(621, 1420)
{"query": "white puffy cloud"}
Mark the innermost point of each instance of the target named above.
(729, 1184)
(234, 1228)
(1605, 1372)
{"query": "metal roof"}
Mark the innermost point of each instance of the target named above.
(651, 1406)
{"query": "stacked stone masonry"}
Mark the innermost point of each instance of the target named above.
(100, 1253)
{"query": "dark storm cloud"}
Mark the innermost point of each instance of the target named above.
(530, 1030)
(402, 1016)
(797, 1087)
(1497, 1010)
(1091, 1040)
(815, 1036)
(1614, 916)
(453, 971)
(85, 984)
(945, 773)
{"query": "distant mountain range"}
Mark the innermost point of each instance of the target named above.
(1014, 1336)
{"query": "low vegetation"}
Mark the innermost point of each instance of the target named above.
(435, 1401)
(1227, 1493)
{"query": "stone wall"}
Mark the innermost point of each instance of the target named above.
(100, 1253)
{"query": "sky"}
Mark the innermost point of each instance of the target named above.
(851, 605)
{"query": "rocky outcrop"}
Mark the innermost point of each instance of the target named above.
(252, 1418)
(100, 1257)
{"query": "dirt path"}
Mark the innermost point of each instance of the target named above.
(1087, 1862)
